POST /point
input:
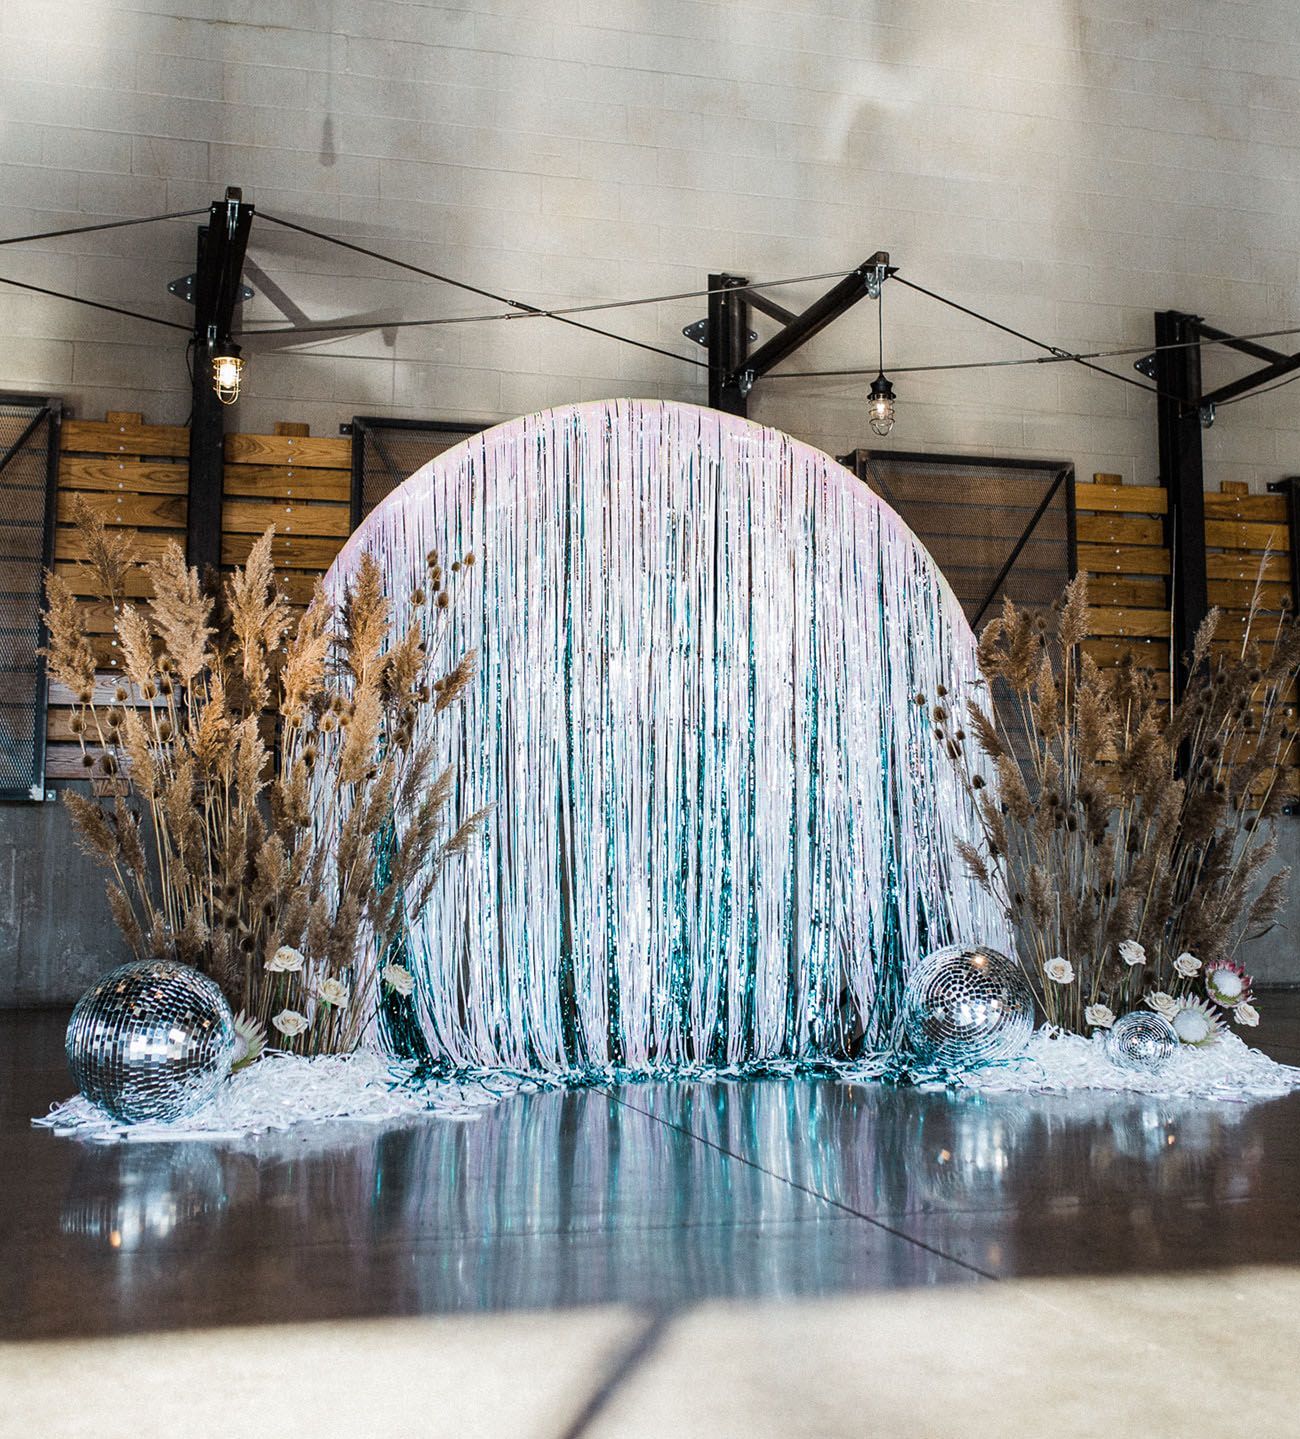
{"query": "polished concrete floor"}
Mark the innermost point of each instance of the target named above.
(576, 1241)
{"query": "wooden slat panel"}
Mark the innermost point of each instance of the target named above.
(1148, 654)
(309, 452)
(101, 437)
(138, 476)
(251, 517)
(1119, 530)
(1247, 567)
(296, 553)
(1265, 508)
(149, 511)
(1149, 624)
(1240, 592)
(278, 481)
(1124, 559)
(1238, 535)
(68, 544)
(1125, 499)
(1126, 593)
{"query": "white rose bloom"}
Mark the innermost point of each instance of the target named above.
(1100, 1016)
(1163, 1003)
(1131, 952)
(1059, 971)
(286, 959)
(399, 978)
(290, 1023)
(333, 992)
(1187, 965)
(1246, 1014)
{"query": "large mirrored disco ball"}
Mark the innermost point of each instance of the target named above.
(966, 1006)
(1142, 1042)
(152, 1040)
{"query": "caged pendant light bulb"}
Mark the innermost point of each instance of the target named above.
(880, 403)
(880, 407)
(227, 371)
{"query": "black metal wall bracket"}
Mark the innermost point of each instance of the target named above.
(733, 369)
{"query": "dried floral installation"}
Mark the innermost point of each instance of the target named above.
(724, 830)
(1126, 836)
(261, 767)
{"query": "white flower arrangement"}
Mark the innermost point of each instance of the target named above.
(1059, 971)
(1245, 1013)
(399, 978)
(1187, 965)
(286, 960)
(1131, 952)
(290, 1023)
(1196, 1024)
(1099, 1016)
(333, 992)
(1163, 1004)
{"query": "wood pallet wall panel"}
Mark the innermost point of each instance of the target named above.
(297, 482)
(135, 477)
(1120, 531)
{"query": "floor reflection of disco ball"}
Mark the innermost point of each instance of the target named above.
(965, 1006)
(151, 1041)
(1143, 1042)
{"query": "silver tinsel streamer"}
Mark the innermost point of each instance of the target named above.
(723, 827)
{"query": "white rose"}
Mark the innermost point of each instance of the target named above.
(290, 1023)
(1131, 952)
(1163, 1003)
(1246, 1014)
(286, 959)
(399, 978)
(1100, 1016)
(332, 992)
(1187, 965)
(1059, 971)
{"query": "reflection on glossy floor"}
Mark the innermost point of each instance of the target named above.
(611, 1214)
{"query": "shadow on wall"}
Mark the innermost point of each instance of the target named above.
(56, 932)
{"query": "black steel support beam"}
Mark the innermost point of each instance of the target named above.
(221, 245)
(1178, 420)
(728, 336)
(1283, 365)
(842, 296)
(1247, 347)
(1290, 487)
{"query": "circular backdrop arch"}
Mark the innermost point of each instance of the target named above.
(722, 826)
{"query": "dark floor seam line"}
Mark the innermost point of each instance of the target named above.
(804, 1188)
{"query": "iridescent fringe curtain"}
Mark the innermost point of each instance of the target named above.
(722, 827)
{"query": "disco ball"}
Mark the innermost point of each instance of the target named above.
(965, 1006)
(1142, 1041)
(152, 1040)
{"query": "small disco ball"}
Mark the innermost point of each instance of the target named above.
(1143, 1042)
(152, 1040)
(967, 1005)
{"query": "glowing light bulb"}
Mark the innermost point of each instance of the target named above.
(880, 405)
(227, 372)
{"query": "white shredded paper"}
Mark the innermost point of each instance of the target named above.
(282, 1090)
(1057, 1063)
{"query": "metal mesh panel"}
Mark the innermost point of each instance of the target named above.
(28, 433)
(995, 527)
(386, 452)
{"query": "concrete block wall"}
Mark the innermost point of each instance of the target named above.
(1068, 166)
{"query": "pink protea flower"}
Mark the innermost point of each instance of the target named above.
(1227, 984)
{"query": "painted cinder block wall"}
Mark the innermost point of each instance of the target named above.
(1069, 166)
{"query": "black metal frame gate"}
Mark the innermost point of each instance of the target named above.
(29, 473)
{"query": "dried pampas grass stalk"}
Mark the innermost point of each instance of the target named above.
(1127, 831)
(266, 763)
